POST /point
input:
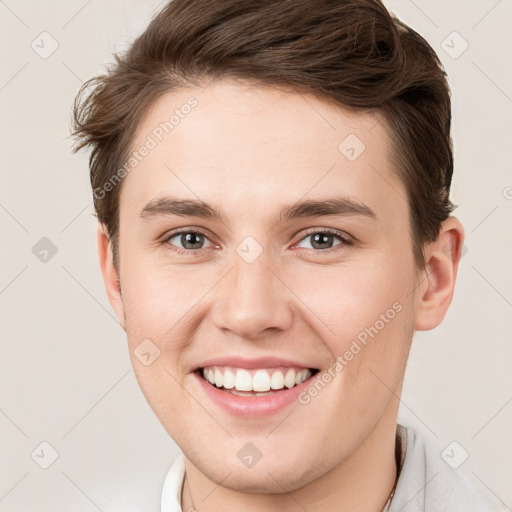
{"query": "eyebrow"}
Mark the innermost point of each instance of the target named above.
(338, 206)
(333, 206)
(167, 206)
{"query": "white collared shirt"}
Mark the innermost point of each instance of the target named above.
(426, 482)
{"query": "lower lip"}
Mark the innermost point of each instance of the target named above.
(252, 406)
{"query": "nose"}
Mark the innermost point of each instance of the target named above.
(252, 300)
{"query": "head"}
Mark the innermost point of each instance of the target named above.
(272, 179)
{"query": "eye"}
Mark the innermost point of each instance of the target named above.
(186, 241)
(323, 239)
(192, 241)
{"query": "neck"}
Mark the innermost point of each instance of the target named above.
(363, 482)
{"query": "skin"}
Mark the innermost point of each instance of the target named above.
(249, 151)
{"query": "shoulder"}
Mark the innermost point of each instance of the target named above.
(428, 483)
(161, 493)
(171, 492)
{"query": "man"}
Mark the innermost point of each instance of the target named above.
(272, 182)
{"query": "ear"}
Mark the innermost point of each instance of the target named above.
(437, 281)
(110, 277)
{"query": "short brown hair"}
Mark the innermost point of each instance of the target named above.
(350, 52)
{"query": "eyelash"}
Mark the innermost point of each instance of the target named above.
(345, 240)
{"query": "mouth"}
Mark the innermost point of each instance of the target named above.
(255, 382)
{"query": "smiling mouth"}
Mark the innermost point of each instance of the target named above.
(255, 382)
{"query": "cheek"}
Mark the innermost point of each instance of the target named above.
(365, 321)
(159, 306)
(346, 300)
(364, 316)
(158, 300)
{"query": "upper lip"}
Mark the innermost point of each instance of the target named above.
(257, 362)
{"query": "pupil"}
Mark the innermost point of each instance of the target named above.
(320, 238)
(190, 239)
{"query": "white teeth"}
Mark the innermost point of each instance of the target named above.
(219, 379)
(289, 380)
(261, 381)
(301, 376)
(229, 379)
(277, 380)
(243, 380)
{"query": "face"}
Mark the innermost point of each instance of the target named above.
(292, 255)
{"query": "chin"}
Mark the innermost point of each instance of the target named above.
(263, 478)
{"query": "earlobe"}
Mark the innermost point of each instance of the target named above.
(110, 276)
(435, 293)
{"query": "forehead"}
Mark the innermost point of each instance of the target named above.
(259, 144)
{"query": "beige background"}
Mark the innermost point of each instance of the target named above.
(65, 374)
